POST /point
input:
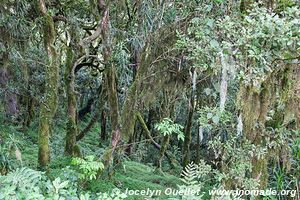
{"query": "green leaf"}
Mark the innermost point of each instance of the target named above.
(209, 115)
(214, 43)
(207, 91)
(180, 137)
(216, 119)
(210, 22)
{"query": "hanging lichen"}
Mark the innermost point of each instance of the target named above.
(224, 80)
(239, 127)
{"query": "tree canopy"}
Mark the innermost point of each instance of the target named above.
(96, 96)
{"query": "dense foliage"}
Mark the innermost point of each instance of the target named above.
(109, 99)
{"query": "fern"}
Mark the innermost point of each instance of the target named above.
(194, 176)
(189, 174)
(23, 183)
(23, 177)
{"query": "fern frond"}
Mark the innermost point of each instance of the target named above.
(189, 174)
(23, 177)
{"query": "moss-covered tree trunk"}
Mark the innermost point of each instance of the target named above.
(291, 94)
(3, 74)
(49, 103)
(163, 149)
(111, 84)
(137, 91)
(188, 131)
(29, 110)
(254, 106)
(10, 99)
(72, 129)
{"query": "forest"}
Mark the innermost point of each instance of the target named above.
(149, 99)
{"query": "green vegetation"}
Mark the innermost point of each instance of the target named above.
(149, 99)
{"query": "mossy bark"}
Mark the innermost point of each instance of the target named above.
(72, 128)
(111, 85)
(49, 103)
(112, 96)
(282, 85)
(254, 105)
(163, 149)
(30, 111)
(114, 113)
(10, 98)
(188, 131)
(103, 126)
(291, 95)
(137, 92)
(130, 106)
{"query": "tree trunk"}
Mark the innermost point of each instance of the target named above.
(29, 111)
(49, 103)
(11, 104)
(103, 126)
(86, 109)
(163, 149)
(111, 84)
(10, 98)
(254, 107)
(188, 132)
(72, 128)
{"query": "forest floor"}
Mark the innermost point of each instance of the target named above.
(130, 175)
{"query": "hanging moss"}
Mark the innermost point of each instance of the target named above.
(254, 105)
(140, 93)
(281, 86)
(290, 95)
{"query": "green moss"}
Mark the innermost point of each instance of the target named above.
(135, 176)
(101, 186)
